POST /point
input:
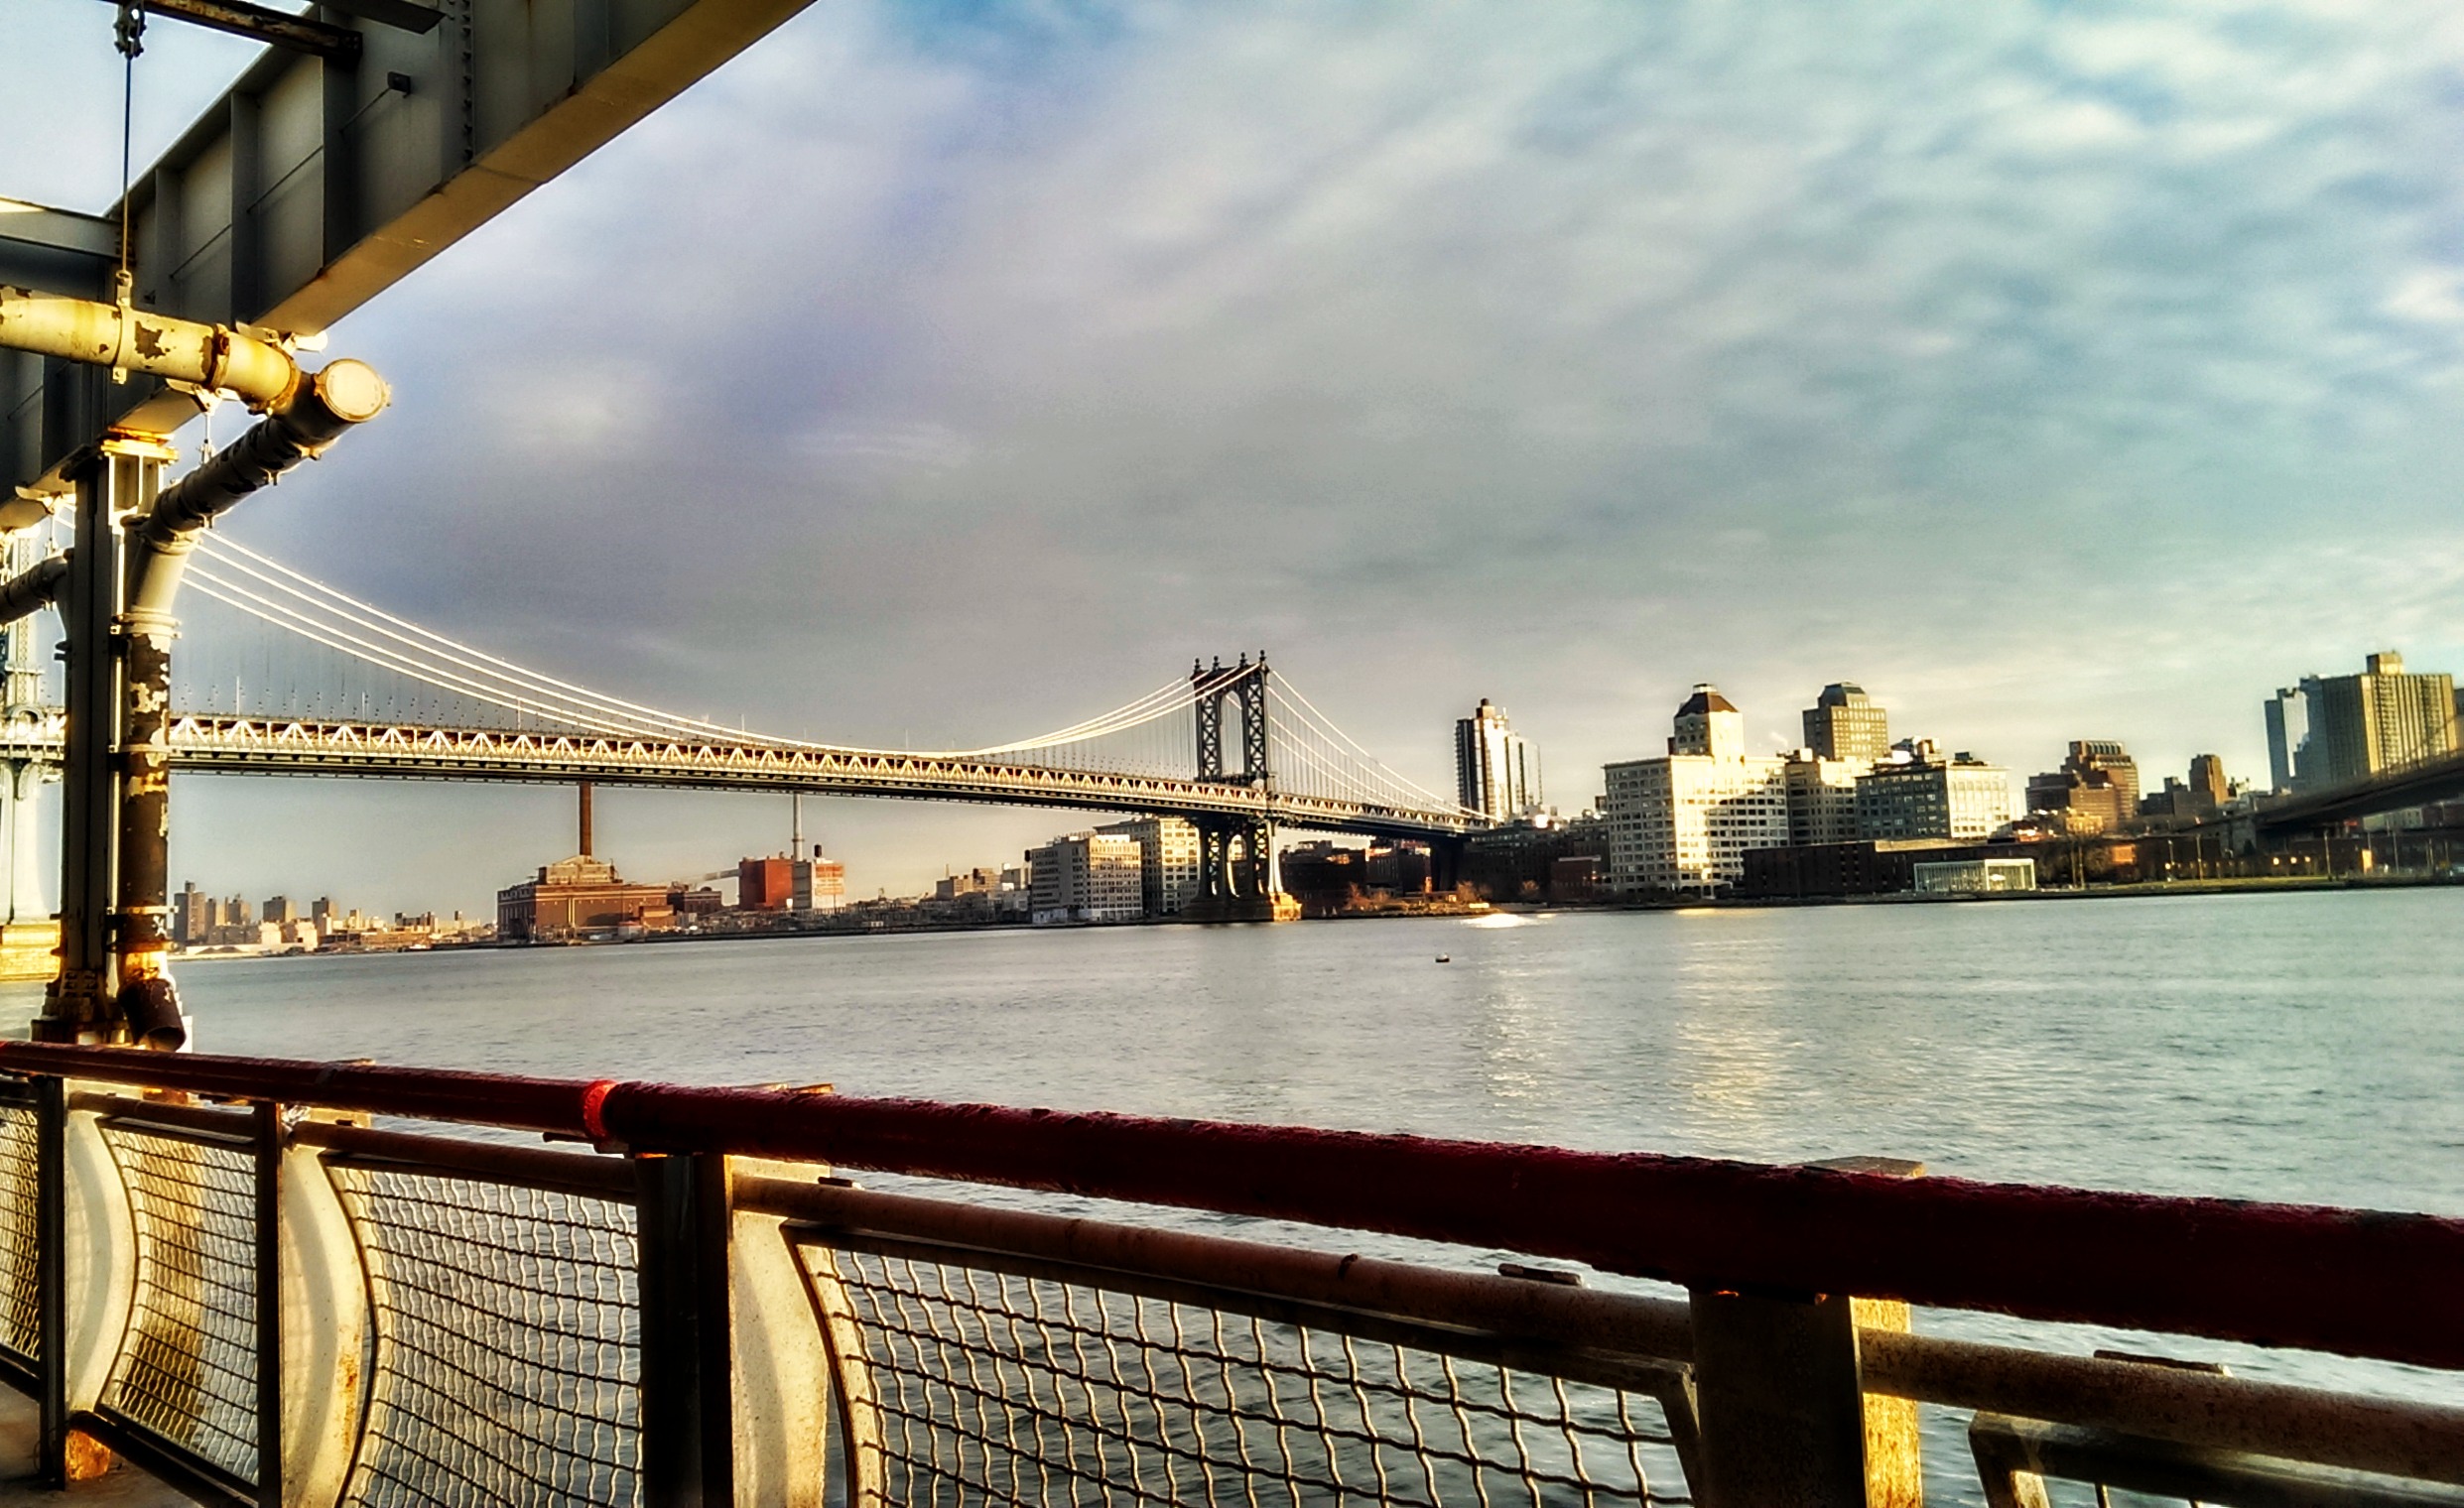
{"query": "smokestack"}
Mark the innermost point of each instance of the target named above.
(795, 831)
(585, 819)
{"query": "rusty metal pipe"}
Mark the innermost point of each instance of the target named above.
(315, 415)
(34, 591)
(2390, 1434)
(308, 420)
(128, 339)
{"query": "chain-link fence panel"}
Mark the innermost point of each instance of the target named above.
(20, 1319)
(188, 1369)
(505, 1361)
(964, 1384)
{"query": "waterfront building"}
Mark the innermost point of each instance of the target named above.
(1846, 725)
(2384, 719)
(1167, 860)
(1541, 857)
(786, 882)
(1975, 876)
(1683, 822)
(817, 883)
(280, 911)
(1497, 771)
(191, 916)
(2095, 791)
(1917, 794)
(1822, 797)
(578, 897)
(1086, 877)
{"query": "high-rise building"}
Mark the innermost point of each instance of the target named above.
(2381, 720)
(1496, 772)
(191, 916)
(1087, 877)
(2209, 788)
(281, 912)
(1682, 822)
(2095, 791)
(1917, 794)
(2289, 734)
(1167, 862)
(1845, 724)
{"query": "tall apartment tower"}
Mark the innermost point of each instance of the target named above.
(1496, 772)
(2384, 719)
(1845, 724)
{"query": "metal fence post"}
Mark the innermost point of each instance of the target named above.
(688, 1356)
(269, 1256)
(1779, 1402)
(50, 1223)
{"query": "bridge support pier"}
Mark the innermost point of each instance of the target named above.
(1236, 873)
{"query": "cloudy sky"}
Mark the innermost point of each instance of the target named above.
(936, 374)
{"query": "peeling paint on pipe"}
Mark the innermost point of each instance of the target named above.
(129, 339)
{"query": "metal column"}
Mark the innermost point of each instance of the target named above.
(687, 1357)
(269, 1262)
(50, 1226)
(121, 477)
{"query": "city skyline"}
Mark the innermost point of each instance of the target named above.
(1053, 300)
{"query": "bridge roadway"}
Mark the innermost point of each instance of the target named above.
(209, 743)
(2433, 780)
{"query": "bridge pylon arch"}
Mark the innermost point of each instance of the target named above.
(1235, 852)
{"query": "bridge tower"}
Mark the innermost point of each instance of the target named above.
(1236, 854)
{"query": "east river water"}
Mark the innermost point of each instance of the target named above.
(2304, 1047)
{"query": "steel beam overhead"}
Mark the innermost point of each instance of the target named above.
(314, 184)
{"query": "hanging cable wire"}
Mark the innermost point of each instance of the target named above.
(448, 681)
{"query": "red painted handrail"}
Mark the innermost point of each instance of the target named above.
(2356, 1282)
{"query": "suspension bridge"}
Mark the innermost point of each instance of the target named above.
(378, 695)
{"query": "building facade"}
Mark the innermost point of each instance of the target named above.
(1167, 862)
(2095, 791)
(1682, 824)
(576, 897)
(1086, 877)
(2289, 729)
(1925, 795)
(2384, 719)
(1845, 724)
(1496, 772)
(1822, 798)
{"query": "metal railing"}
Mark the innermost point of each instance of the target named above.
(219, 1268)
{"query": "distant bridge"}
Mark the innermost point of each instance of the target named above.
(2436, 779)
(1229, 747)
(223, 744)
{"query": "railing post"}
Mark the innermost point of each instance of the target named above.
(1781, 1405)
(688, 1359)
(50, 1223)
(269, 1257)
(1780, 1396)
